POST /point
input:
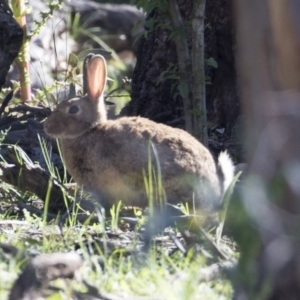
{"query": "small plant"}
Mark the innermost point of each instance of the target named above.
(115, 212)
(153, 181)
(224, 208)
(77, 29)
(20, 10)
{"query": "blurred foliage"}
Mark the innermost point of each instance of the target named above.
(114, 1)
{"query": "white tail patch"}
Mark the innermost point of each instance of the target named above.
(227, 167)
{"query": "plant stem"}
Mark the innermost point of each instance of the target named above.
(22, 61)
(183, 58)
(198, 86)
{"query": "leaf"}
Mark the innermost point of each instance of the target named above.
(163, 6)
(172, 34)
(175, 95)
(52, 97)
(173, 76)
(139, 35)
(160, 77)
(207, 79)
(211, 62)
(172, 89)
(149, 24)
(225, 205)
(73, 60)
(165, 26)
(183, 89)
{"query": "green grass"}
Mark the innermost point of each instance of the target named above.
(123, 271)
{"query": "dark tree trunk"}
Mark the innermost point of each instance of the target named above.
(151, 98)
(155, 100)
(11, 36)
(222, 99)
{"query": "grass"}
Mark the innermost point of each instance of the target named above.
(114, 261)
(120, 271)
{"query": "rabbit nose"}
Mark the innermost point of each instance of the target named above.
(46, 125)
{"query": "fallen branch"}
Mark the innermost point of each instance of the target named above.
(19, 171)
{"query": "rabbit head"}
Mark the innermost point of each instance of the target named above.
(75, 116)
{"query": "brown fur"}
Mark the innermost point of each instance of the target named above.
(109, 156)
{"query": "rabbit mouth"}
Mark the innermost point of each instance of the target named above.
(52, 131)
(61, 133)
(52, 134)
(63, 136)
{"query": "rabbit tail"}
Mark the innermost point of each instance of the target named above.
(226, 170)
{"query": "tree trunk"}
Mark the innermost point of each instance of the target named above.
(269, 67)
(11, 36)
(152, 94)
(222, 99)
(198, 72)
(183, 62)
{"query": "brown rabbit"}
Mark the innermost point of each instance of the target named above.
(109, 156)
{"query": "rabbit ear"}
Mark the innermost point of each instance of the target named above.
(95, 76)
(84, 72)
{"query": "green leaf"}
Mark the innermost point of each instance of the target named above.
(207, 79)
(183, 90)
(211, 62)
(172, 34)
(150, 24)
(163, 5)
(73, 60)
(139, 35)
(173, 76)
(225, 205)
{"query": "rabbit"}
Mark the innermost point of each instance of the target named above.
(108, 156)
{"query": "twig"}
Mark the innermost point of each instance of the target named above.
(178, 244)
(183, 57)
(30, 177)
(14, 222)
(97, 295)
(45, 112)
(220, 252)
(5, 102)
(126, 82)
(117, 96)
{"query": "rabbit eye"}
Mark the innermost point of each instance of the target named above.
(73, 109)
